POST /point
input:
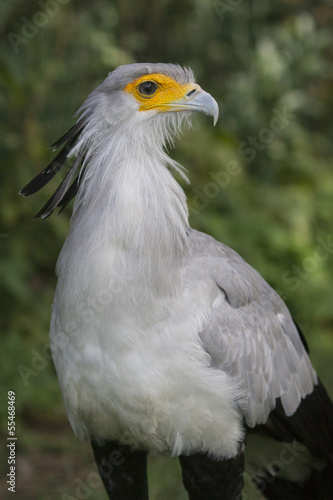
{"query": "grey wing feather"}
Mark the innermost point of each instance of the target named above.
(250, 333)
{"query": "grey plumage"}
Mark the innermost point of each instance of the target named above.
(164, 340)
(250, 333)
(123, 75)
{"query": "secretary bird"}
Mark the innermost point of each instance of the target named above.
(164, 340)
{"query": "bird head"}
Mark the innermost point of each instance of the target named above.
(140, 92)
(141, 102)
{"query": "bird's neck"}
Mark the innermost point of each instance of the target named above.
(130, 215)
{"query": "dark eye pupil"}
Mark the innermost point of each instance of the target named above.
(147, 88)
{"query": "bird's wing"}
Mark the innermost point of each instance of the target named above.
(250, 334)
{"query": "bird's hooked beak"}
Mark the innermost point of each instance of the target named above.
(158, 92)
(196, 99)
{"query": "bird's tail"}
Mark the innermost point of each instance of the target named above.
(319, 486)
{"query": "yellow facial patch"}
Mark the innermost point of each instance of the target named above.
(157, 91)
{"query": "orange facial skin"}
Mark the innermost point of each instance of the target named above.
(167, 92)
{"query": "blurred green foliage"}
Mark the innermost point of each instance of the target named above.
(262, 180)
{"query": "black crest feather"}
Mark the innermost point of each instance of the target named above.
(68, 188)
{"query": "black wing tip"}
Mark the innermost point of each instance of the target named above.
(311, 423)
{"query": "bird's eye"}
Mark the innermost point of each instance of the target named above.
(147, 89)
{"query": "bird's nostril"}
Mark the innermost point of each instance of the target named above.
(191, 92)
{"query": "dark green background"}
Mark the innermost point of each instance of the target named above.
(262, 179)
